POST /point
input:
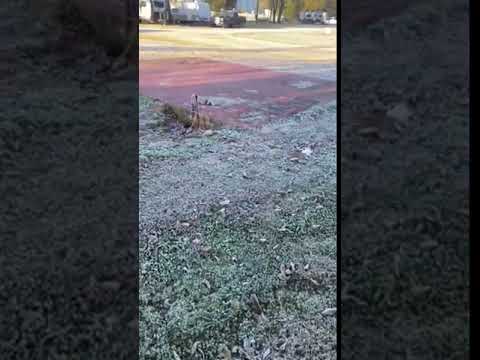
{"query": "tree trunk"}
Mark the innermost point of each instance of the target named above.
(274, 10)
(168, 12)
(256, 11)
(280, 10)
(229, 4)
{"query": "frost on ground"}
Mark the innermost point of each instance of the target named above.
(238, 240)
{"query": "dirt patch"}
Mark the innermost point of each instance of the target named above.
(233, 90)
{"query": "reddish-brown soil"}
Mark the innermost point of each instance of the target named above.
(254, 95)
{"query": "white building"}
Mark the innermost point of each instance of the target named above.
(246, 5)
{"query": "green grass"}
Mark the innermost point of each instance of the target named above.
(145, 102)
(200, 294)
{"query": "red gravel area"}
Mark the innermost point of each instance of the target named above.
(249, 96)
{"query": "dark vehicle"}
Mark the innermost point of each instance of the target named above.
(229, 19)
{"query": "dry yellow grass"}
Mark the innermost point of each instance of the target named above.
(302, 45)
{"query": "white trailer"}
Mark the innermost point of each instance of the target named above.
(152, 10)
(191, 11)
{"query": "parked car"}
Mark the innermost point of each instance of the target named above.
(229, 18)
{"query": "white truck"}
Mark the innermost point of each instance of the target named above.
(191, 11)
(314, 17)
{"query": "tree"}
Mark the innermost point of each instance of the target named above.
(313, 5)
(229, 4)
(168, 12)
(292, 8)
(216, 5)
(331, 7)
(256, 11)
(275, 7)
(281, 8)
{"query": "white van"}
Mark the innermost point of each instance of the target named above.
(152, 10)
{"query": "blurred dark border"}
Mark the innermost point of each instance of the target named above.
(69, 181)
(404, 164)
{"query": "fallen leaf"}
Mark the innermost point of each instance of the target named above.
(194, 348)
(329, 312)
(372, 130)
(429, 244)
(400, 112)
(245, 175)
(267, 354)
(111, 285)
(256, 304)
(225, 353)
(307, 151)
(207, 284)
(205, 250)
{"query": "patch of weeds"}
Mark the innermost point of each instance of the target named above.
(177, 114)
(182, 116)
